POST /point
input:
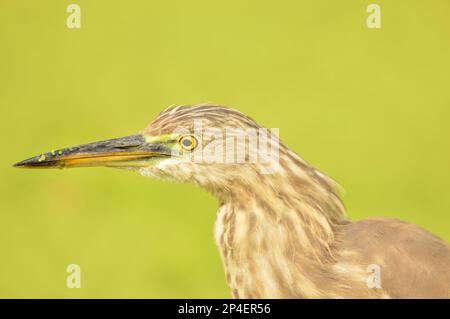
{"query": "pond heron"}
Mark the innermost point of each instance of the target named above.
(281, 226)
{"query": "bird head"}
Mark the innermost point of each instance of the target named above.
(212, 146)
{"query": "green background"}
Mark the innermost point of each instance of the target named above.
(369, 107)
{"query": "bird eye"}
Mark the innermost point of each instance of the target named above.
(188, 142)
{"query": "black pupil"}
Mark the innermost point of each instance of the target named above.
(187, 142)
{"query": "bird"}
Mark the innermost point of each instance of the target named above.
(281, 227)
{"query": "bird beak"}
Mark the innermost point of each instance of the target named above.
(130, 151)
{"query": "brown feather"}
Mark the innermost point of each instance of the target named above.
(285, 235)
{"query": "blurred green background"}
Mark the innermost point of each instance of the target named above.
(369, 107)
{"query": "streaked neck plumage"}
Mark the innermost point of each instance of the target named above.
(276, 238)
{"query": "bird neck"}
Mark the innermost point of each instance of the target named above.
(276, 236)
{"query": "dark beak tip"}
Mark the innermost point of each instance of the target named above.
(31, 162)
(23, 163)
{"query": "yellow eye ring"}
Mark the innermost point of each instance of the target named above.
(187, 142)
